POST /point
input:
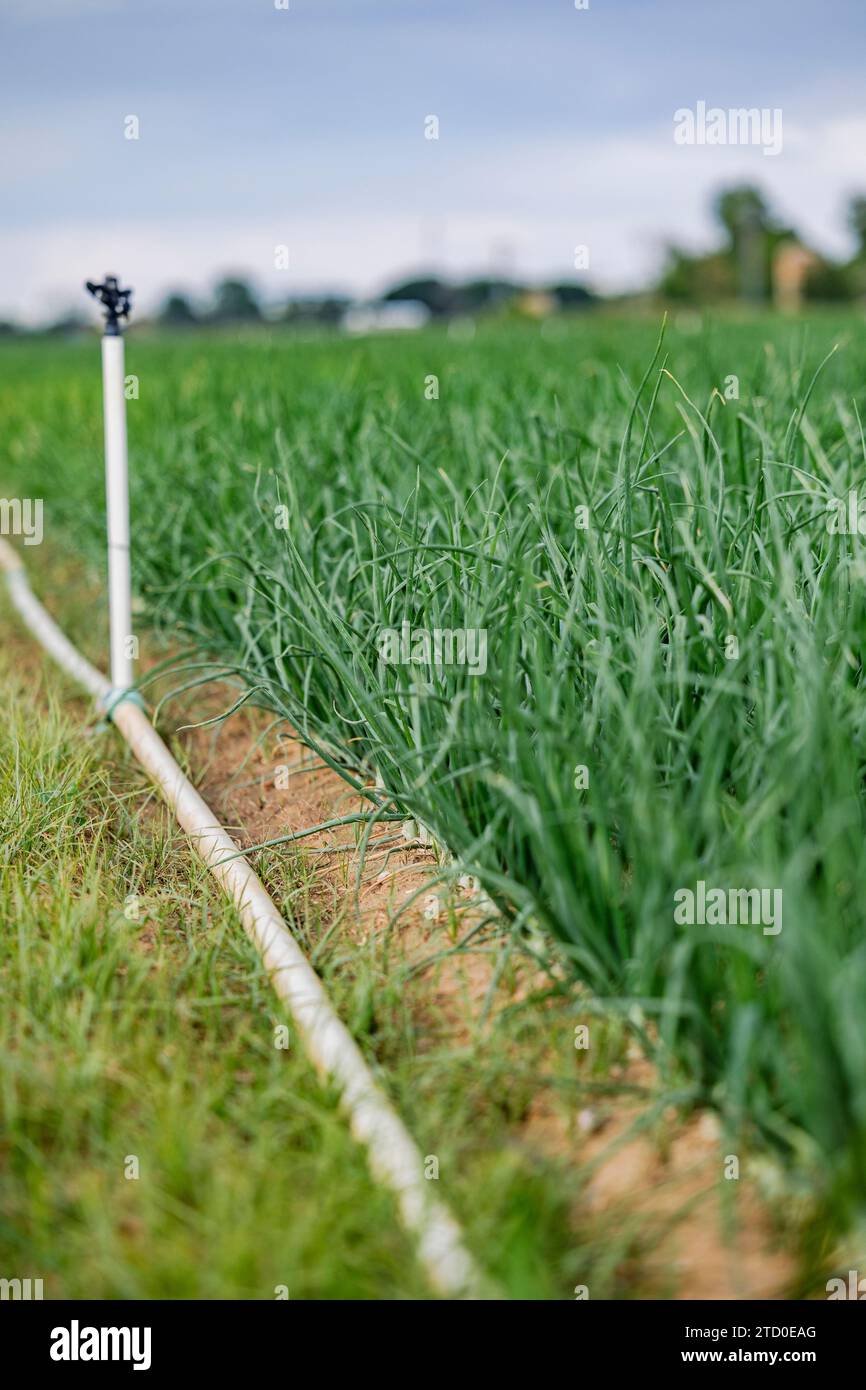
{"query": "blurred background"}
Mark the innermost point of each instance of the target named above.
(366, 164)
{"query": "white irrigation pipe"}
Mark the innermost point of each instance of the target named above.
(395, 1159)
(117, 511)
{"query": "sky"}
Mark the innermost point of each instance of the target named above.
(262, 127)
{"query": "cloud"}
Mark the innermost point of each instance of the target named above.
(522, 206)
(557, 131)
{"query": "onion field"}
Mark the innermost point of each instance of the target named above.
(588, 607)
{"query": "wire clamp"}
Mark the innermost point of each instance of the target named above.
(115, 695)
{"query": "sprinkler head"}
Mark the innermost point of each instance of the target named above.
(115, 301)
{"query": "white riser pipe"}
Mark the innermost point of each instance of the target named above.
(117, 508)
(394, 1158)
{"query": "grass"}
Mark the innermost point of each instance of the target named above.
(739, 762)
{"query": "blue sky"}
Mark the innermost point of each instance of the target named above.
(262, 127)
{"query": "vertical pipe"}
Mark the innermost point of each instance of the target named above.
(117, 506)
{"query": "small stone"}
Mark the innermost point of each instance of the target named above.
(709, 1127)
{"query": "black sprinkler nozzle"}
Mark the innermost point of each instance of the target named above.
(115, 301)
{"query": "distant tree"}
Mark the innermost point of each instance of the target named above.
(827, 281)
(325, 312)
(472, 297)
(68, 325)
(235, 301)
(857, 221)
(740, 208)
(8, 329)
(438, 297)
(177, 312)
(746, 218)
(477, 295)
(571, 295)
(698, 279)
(757, 254)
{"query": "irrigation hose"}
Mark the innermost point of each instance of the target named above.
(393, 1156)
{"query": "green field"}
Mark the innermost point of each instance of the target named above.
(672, 692)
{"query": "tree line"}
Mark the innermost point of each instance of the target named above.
(745, 265)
